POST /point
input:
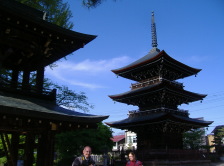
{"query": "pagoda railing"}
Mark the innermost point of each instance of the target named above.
(162, 109)
(152, 81)
(170, 154)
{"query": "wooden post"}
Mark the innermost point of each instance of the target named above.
(51, 142)
(26, 79)
(14, 81)
(29, 149)
(41, 149)
(45, 150)
(15, 147)
(40, 79)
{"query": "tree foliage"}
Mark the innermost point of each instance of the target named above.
(91, 3)
(219, 140)
(194, 139)
(58, 12)
(70, 99)
(70, 144)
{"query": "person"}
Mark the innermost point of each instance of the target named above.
(85, 159)
(133, 161)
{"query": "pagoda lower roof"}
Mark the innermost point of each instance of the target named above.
(28, 41)
(165, 87)
(27, 107)
(148, 66)
(157, 118)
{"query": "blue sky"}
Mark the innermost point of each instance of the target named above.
(190, 31)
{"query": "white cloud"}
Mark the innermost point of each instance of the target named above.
(87, 72)
(95, 66)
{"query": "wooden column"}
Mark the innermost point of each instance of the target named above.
(40, 79)
(51, 142)
(45, 149)
(15, 147)
(26, 79)
(29, 149)
(14, 81)
(41, 149)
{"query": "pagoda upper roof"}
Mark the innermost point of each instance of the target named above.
(153, 91)
(27, 40)
(158, 118)
(150, 62)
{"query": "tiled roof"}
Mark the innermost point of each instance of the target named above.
(31, 107)
(117, 138)
(159, 117)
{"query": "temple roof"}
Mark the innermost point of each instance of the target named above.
(151, 63)
(27, 37)
(157, 118)
(42, 109)
(153, 91)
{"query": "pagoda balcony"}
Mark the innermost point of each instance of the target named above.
(30, 91)
(180, 112)
(154, 80)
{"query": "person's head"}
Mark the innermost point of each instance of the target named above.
(131, 156)
(87, 151)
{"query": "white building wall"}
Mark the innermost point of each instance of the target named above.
(130, 140)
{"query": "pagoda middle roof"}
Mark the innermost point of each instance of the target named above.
(156, 118)
(154, 89)
(149, 61)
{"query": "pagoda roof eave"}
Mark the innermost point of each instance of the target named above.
(150, 58)
(153, 89)
(156, 118)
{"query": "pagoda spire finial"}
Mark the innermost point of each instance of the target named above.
(153, 30)
(154, 36)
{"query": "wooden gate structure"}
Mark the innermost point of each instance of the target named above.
(28, 43)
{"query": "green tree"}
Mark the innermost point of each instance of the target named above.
(219, 140)
(70, 144)
(194, 139)
(58, 12)
(91, 3)
(70, 99)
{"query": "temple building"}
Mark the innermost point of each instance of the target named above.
(28, 43)
(158, 123)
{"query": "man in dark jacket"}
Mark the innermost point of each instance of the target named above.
(85, 159)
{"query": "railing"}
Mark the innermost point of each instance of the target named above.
(152, 81)
(170, 154)
(162, 109)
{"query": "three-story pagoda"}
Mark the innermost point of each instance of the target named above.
(158, 123)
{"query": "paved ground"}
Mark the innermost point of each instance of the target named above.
(217, 164)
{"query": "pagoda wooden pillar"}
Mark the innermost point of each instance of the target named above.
(15, 147)
(14, 81)
(29, 149)
(40, 79)
(26, 79)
